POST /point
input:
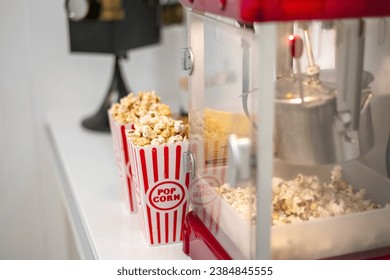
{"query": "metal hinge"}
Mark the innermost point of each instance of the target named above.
(187, 60)
(189, 164)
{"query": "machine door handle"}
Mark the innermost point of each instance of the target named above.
(239, 160)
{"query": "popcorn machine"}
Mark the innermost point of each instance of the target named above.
(284, 106)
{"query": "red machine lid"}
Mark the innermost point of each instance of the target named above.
(282, 10)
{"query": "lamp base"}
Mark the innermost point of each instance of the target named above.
(117, 90)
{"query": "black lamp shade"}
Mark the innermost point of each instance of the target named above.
(139, 27)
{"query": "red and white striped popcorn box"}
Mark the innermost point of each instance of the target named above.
(122, 158)
(161, 187)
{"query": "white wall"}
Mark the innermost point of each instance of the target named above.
(38, 73)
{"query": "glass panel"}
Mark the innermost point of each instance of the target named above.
(324, 200)
(219, 109)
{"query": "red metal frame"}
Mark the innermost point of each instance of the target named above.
(199, 243)
(284, 10)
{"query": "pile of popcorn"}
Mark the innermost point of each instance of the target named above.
(131, 107)
(155, 129)
(242, 199)
(206, 126)
(151, 119)
(217, 125)
(301, 199)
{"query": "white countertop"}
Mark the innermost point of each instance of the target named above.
(90, 184)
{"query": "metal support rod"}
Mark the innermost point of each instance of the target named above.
(117, 90)
(388, 158)
(309, 50)
(349, 69)
(266, 42)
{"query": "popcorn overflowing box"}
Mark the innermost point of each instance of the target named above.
(161, 183)
(122, 117)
